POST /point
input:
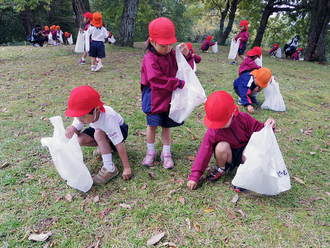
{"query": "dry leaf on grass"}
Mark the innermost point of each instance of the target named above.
(40, 237)
(25, 235)
(4, 165)
(169, 195)
(155, 239)
(312, 199)
(312, 153)
(182, 200)
(96, 198)
(198, 228)
(241, 212)
(127, 206)
(101, 215)
(168, 244)
(180, 181)
(299, 180)
(58, 198)
(191, 158)
(68, 197)
(144, 186)
(188, 223)
(151, 175)
(235, 198)
(231, 216)
(209, 210)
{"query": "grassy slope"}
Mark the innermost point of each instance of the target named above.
(35, 85)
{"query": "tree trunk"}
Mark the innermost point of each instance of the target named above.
(263, 23)
(26, 20)
(317, 31)
(127, 25)
(229, 27)
(222, 21)
(80, 7)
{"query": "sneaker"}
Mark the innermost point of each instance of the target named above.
(149, 158)
(254, 100)
(239, 101)
(93, 68)
(36, 45)
(82, 62)
(216, 174)
(104, 175)
(239, 190)
(167, 158)
(233, 63)
(97, 152)
(99, 67)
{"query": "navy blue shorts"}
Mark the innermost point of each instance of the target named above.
(241, 51)
(97, 49)
(124, 130)
(237, 155)
(162, 120)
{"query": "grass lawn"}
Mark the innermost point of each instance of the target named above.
(35, 85)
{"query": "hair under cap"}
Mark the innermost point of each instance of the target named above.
(162, 31)
(219, 108)
(190, 47)
(83, 100)
(263, 76)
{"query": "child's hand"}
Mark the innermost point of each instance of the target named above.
(127, 173)
(70, 131)
(250, 109)
(270, 122)
(191, 184)
(184, 49)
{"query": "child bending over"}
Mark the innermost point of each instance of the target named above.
(207, 44)
(249, 63)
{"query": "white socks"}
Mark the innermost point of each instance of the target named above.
(166, 148)
(107, 162)
(151, 147)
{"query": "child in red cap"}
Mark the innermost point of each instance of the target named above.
(207, 44)
(296, 55)
(249, 63)
(273, 51)
(88, 17)
(249, 85)
(195, 58)
(107, 130)
(227, 135)
(98, 35)
(243, 36)
(159, 68)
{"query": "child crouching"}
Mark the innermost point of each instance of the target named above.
(227, 135)
(107, 130)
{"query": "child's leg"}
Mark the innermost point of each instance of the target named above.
(84, 55)
(241, 56)
(86, 140)
(93, 60)
(151, 151)
(166, 154)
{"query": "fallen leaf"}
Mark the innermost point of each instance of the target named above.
(235, 198)
(4, 165)
(68, 197)
(172, 180)
(169, 195)
(151, 175)
(123, 205)
(299, 180)
(321, 198)
(328, 193)
(226, 240)
(16, 134)
(191, 158)
(180, 181)
(96, 198)
(209, 210)
(312, 153)
(155, 239)
(312, 199)
(231, 216)
(58, 198)
(168, 244)
(106, 211)
(25, 235)
(101, 215)
(197, 228)
(241, 212)
(12, 231)
(321, 222)
(40, 237)
(188, 223)
(239, 222)
(285, 225)
(310, 209)
(144, 186)
(181, 199)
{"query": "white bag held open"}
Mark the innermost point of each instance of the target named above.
(80, 43)
(67, 156)
(233, 49)
(273, 97)
(215, 47)
(264, 170)
(191, 95)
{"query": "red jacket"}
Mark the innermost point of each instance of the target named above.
(237, 135)
(191, 59)
(295, 55)
(244, 38)
(247, 65)
(158, 81)
(205, 43)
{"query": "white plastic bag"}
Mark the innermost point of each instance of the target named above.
(215, 47)
(80, 43)
(70, 40)
(233, 49)
(195, 66)
(50, 39)
(112, 39)
(273, 97)
(67, 156)
(191, 95)
(264, 170)
(279, 53)
(87, 41)
(259, 61)
(61, 38)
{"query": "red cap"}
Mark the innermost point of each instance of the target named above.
(209, 37)
(255, 51)
(88, 15)
(275, 45)
(219, 108)
(300, 49)
(162, 31)
(189, 45)
(244, 23)
(83, 100)
(263, 76)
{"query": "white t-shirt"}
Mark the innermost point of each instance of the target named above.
(109, 122)
(98, 34)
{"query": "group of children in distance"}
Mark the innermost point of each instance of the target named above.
(41, 37)
(291, 49)
(228, 133)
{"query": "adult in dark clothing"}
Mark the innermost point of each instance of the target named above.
(37, 37)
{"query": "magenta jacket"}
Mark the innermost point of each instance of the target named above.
(158, 81)
(206, 44)
(295, 55)
(237, 135)
(244, 38)
(191, 59)
(248, 65)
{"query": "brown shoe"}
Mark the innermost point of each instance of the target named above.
(104, 175)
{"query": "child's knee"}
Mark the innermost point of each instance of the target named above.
(222, 147)
(99, 135)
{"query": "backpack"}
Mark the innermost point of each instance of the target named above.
(29, 38)
(286, 45)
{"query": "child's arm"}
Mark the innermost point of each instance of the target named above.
(197, 58)
(184, 49)
(270, 122)
(245, 36)
(124, 159)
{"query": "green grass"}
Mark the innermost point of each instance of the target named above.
(35, 85)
